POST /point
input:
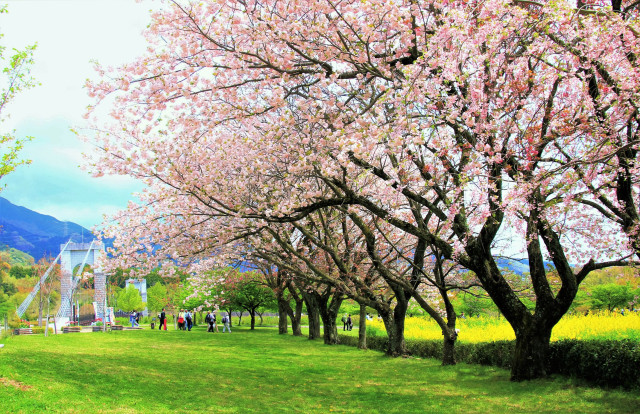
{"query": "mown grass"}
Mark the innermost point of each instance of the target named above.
(261, 372)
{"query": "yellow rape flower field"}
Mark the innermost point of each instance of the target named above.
(603, 325)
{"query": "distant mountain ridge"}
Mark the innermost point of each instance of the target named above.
(37, 234)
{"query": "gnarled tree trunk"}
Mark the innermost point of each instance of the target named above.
(529, 357)
(313, 311)
(329, 313)
(283, 326)
(295, 314)
(394, 324)
(296, 319)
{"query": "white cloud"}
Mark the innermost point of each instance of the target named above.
(69, 33)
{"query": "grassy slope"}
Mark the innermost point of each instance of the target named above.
(151, 371)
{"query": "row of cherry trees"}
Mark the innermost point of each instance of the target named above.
(367, 149)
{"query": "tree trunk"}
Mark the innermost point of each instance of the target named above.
(448, 327)
(329, 313)
(282, 315)
(530, 354)
(296, 318)
(396, 345)
(252, 313)
(450, 335)
(295, 314)
(229, 313)
(311, 301)
(448, 348)
(394, 324)
(362, 327)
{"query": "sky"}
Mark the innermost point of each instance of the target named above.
(70, 34)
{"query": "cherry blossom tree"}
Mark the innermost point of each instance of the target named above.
(458, 123)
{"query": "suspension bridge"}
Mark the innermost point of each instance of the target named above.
(72, 256)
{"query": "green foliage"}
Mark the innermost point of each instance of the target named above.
(475, 303)
(21, 272)
(16, 77)
(15, 257)
(5, 304)
(8, 288)
(130, 300)
(611, 296)
(350, 307)
(119, 278)
(153, 278)
(157, 297)
(251, 294)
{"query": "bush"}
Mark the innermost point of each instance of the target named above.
(497, 354)
(602, 362)
(120, 320)
(610, 363)
(373, 331)
(40, 330)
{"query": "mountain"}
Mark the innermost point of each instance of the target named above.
(517, 266)
(15, 257)
(38, 234)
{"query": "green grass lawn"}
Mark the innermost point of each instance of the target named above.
(261, 371)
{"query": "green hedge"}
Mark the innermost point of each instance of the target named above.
(608, 363)
(603, 362)
(40, 330)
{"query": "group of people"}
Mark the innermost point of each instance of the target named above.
(185, 320)
(347, 324)
(211, 319)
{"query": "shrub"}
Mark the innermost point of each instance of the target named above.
(602, 362)
(425, 349)
(611, 363)
(40, 330)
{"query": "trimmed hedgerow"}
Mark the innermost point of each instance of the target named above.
(603, 362)
(40, 330)
(609, 363)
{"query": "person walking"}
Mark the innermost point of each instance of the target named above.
(226, 323)
(133, 318)
(209, 319)
(163, 320)
(344, 322)
(181, 320)
(215, 324)
(188, 317)
(349, 323)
